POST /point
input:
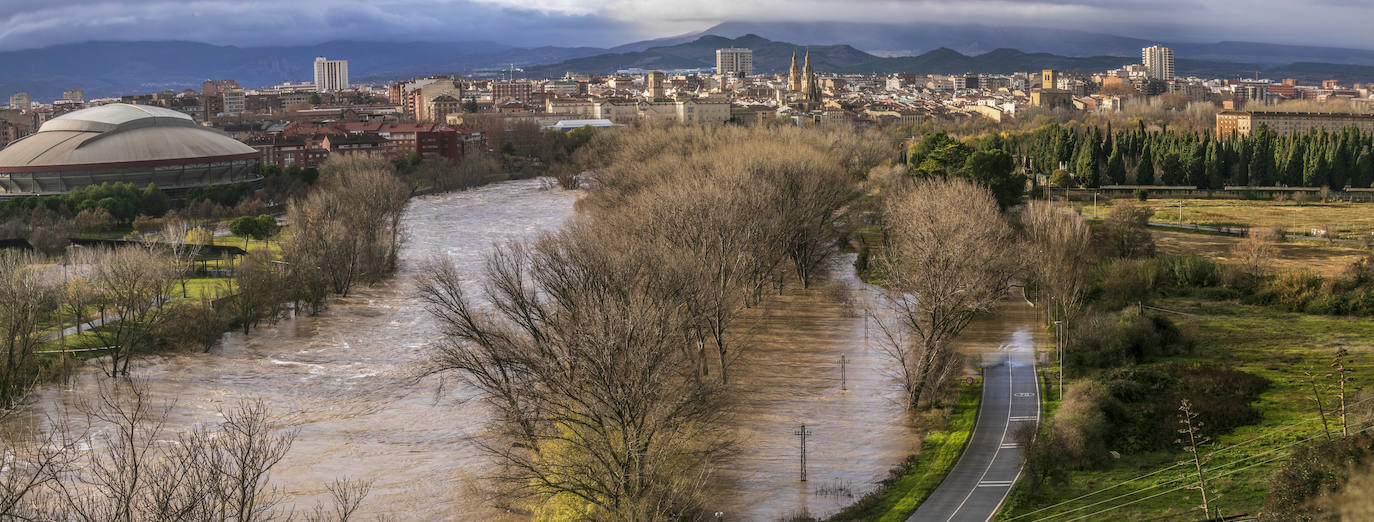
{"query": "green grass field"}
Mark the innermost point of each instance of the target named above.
(1276, 345)
(940, 449)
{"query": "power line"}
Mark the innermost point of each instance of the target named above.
(1275, 431)
(1169, 491)
(1168, 482)
(1309, 439)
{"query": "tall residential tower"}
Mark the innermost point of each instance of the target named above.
(1158, 62)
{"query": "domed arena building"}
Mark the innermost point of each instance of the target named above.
(137, 144)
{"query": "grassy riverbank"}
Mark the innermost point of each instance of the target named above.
(1276, 345)
(912, 481)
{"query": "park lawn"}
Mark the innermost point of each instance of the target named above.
(1350, 219)
(1327, 259)
(924, 471)
(208, 287)
(274, 244)
(1274, 344)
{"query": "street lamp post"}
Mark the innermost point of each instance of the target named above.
(1059, 344)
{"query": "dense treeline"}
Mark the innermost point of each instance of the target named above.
(1093, 156)
(605, 347)
(123, 201)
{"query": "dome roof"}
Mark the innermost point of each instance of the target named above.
(119, 135)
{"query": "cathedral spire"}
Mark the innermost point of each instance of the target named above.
(794, 74)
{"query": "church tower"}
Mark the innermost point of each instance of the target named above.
(810, 88)
(794, 75)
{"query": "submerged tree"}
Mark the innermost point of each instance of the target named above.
(948, 258)
(582, 357)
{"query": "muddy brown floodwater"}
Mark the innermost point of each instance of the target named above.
(790, 374)
(346, 379)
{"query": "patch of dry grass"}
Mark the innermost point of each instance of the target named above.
(1351, 220)
(1327, 260)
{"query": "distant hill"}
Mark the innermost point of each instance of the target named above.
(771, 57)
(916, 38)
(114, 68)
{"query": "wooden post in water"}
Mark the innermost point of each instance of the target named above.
(802, 432)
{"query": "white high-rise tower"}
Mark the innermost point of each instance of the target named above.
(330, 75)
(1158, 62)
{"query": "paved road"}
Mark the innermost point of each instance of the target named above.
(991, 463)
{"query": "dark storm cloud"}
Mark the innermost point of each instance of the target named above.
(33, 23)
(37, 23)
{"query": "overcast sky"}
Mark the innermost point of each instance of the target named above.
(38, 23)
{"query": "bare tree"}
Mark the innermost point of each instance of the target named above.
(117, 470)
(806, 192)
(948, 258)
(135, 470)
(175, 232)
(25, 300)
(1255, 253)
(32, 463)
(1059, 243)
(597, 403)
(346, 496)
(1125, 230)
(348, 229)
(258, 286)
(135, 282)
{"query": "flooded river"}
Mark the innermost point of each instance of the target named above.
(347, 379)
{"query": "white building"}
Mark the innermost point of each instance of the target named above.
(1158, 62)
(234, 101)
(74, 95)
(734, 62)
(330, 75)
(21, 101)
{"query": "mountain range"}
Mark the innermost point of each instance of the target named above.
(775, 57)
(113, 68)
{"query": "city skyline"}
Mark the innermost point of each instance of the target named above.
(34, 23)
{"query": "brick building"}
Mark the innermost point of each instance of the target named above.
(1242, 123)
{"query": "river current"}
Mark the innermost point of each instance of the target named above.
(347, 380)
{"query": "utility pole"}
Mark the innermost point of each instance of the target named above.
(843, 363)
(1059, 344)
(802, 433)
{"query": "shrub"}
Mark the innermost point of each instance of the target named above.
(1142, 194)
(1125, 231)
(144, 223)
(1125, 281)
(1312, 471)
(1290, 290)
(190, 325)
(1143, 404)
(1080, 426)
(1102, 341)
(93, 220)
(1189, 271)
